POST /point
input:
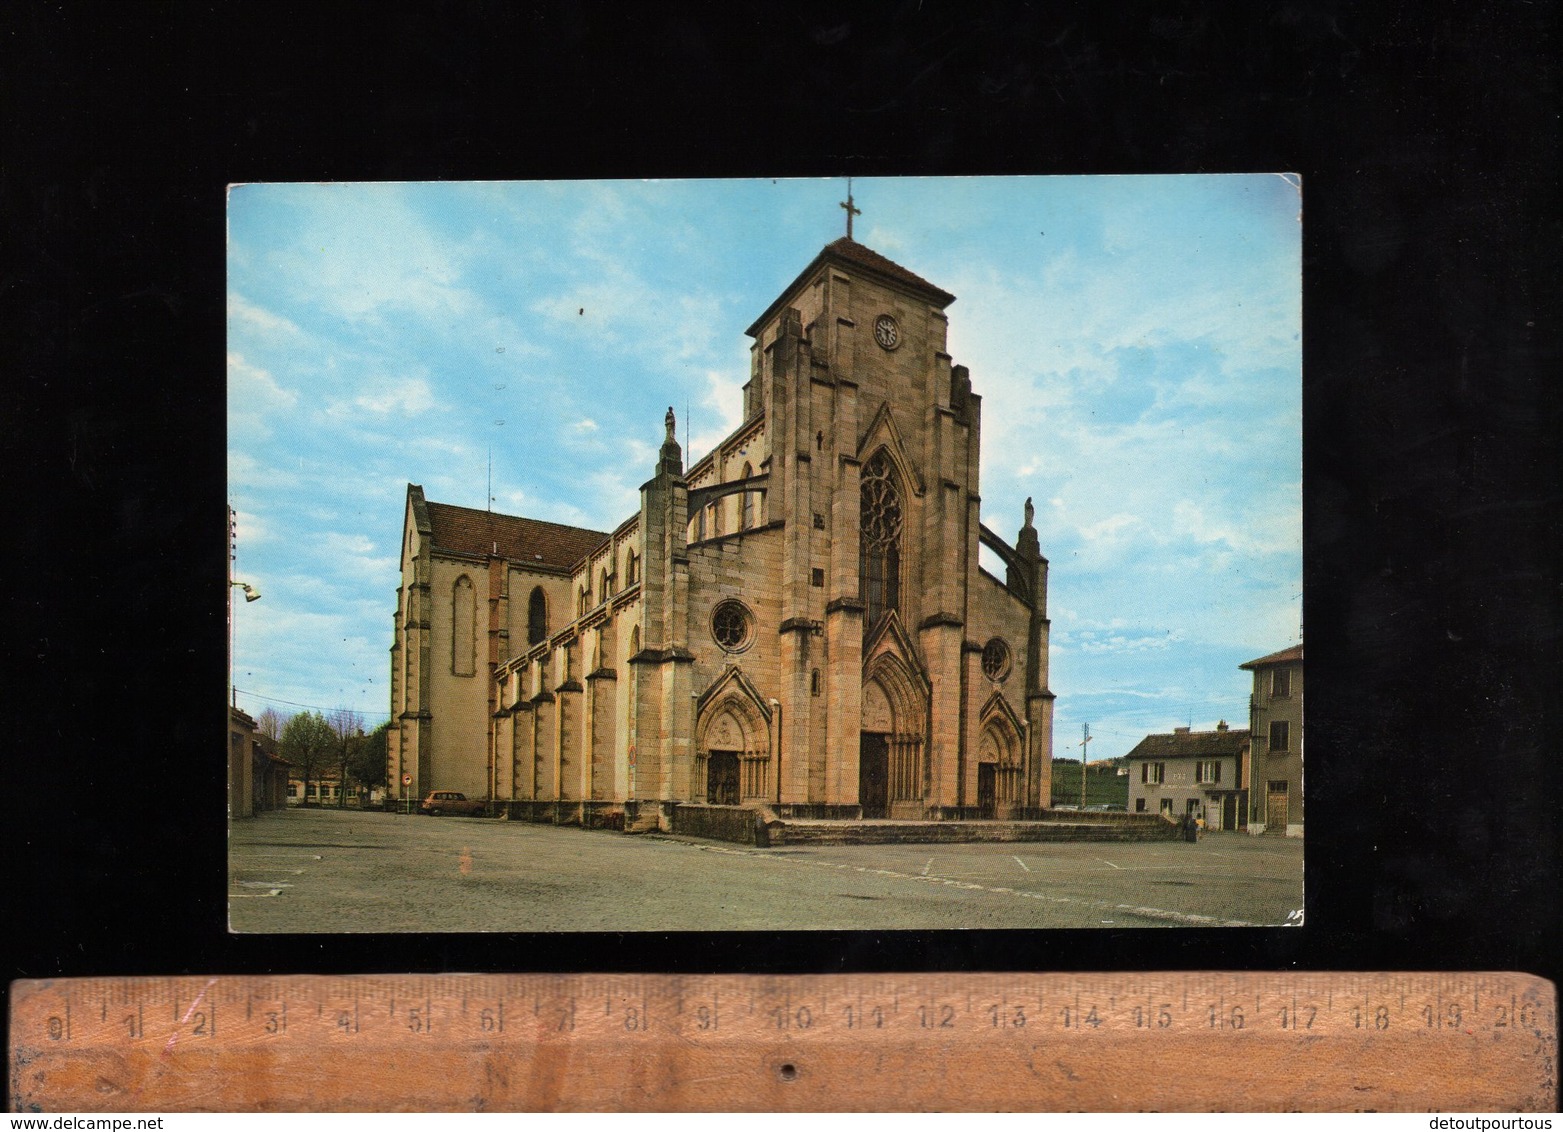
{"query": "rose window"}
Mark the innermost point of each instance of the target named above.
(731, 626)
(995, 660)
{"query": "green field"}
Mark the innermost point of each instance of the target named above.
(1103, 785)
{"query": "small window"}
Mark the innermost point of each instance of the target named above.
(604, 585)
(1208, 771)
(817, 577)
(819, 521)
(631, 569)
(1166, 806)
(1153, 774)
(536, 616)
(463, 637)
(1139, 805)
(1280, 735)
(1280, 683)
(814, 682)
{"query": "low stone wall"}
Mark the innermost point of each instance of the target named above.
(587, 815)
(1095, 816)
(915, 833)
(719, 823)
(816, 811)
(834, 825)
(648, 817)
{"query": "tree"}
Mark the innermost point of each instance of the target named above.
(270, 723)
(309, 744)
(367, 765)
(348, 727)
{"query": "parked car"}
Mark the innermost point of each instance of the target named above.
(451, 802)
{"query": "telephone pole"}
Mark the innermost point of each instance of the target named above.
(1085, 732)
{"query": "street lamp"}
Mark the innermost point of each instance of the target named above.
(250, 594)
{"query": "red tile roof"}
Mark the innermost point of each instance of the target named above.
(467, 531)
(855, 255)
(854, 252)
(1285, 656)
(1190, 744)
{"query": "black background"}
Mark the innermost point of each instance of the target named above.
(1427, 140)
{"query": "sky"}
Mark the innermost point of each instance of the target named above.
(1136, 342)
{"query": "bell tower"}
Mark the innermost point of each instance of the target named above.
(875, 437)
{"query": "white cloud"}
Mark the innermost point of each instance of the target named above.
(1109, 529)
(365, 254)
(254, 397)
(245, 315)
(724, 399)
(254, 389)
(406, 397)
(246, 471)
(249, 527)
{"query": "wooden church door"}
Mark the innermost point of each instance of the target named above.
(873, 785)
(722, 778)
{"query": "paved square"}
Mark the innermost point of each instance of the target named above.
(346, 871)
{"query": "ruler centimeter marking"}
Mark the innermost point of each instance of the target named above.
(1170, 1040)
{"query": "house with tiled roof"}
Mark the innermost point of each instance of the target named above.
(797, 621)
(1276, 717)
(1187, 773)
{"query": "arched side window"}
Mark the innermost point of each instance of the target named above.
(879, 548)
(746, 516)
(602, 590)
(536, 616)
(631, 569)
(463, 634)
(583, 602)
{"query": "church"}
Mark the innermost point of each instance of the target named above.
(796, 622)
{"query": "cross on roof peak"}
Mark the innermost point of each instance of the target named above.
(852, 210)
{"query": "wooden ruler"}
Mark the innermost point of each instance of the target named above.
(1222, 1041)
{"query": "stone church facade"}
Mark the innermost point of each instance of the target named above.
(796, 621)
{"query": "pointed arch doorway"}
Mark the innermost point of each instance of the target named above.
(891, 778)
(873, 774)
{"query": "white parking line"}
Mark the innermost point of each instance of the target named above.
(293, 856)
(1146, 913)
(1022, 864)
(928, 866)
(1105, 861)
